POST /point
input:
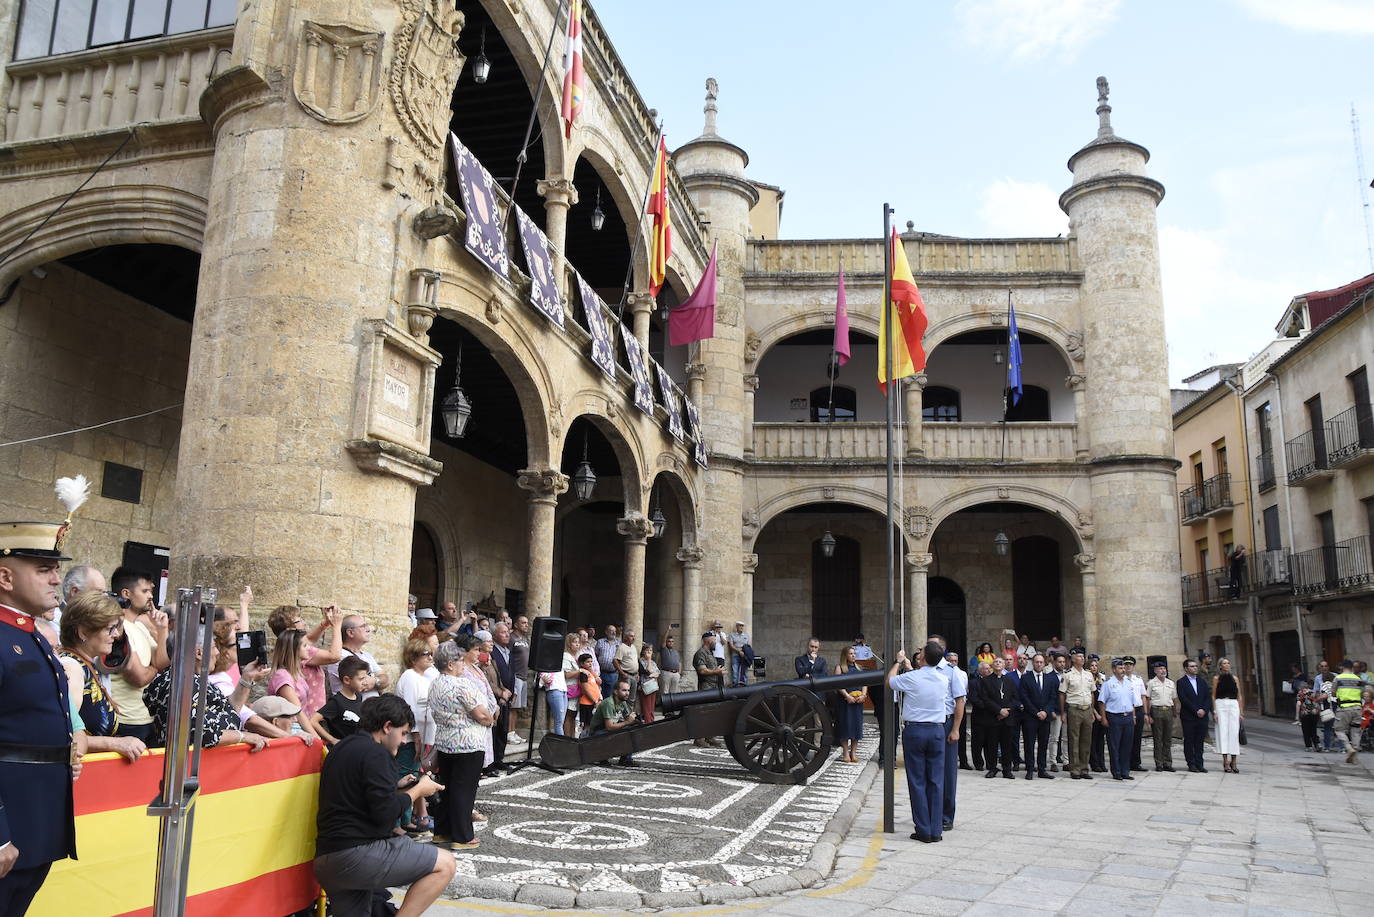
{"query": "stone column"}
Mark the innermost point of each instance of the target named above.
(558, 194)
(914, 387)
(1087, 567)
(544, 486)
(746, 608)
(690, 556)
(696, 379)
(1077, 382)
(641, 304)
(751, 386)
(637, 531)
(917, 617)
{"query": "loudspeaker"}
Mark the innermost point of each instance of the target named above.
(1150, 666)
(546, 644)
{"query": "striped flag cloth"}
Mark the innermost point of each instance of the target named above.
(574, 82)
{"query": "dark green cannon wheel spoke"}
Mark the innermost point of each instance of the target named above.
(782, 734)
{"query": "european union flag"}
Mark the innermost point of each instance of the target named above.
(1013, 355)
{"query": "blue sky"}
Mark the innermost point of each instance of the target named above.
(962, 114)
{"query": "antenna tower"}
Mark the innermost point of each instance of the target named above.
(1362, 178)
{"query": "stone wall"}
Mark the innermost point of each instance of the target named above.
(76, 353)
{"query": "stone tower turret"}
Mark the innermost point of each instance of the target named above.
(712, 169)
(1128, 424)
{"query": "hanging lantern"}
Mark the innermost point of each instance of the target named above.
(598, 215)
(827, 545)
(457, 407)
(584, 479)
(660, 522)
(1001, 543)
(481, 68)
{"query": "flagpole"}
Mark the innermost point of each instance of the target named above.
(639, 221)
(889, 631)
(520, 157)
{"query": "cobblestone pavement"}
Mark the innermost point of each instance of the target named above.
(1292, 834)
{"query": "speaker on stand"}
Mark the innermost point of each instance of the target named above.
(547, 642)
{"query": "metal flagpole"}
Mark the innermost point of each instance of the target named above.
(639, 221)
(889, 634)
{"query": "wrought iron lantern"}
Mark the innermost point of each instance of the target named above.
(584, 479)
(827, 545)
(457, 407)
(1001, 543)
(598, 215)
(481, 68)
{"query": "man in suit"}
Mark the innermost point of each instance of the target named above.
(811, 662)
(505, 677)
(976, 720)
(1013, 675)
(1039, 703)
(999, 704)
(1195, 706)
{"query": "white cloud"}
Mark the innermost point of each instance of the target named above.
(1011, 208)
(1345, 16)
(1034, 29)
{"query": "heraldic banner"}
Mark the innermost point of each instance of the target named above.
(601, 327)
(485, 234)
(543, 286)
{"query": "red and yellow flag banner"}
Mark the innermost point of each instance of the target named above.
(253, 846)
(908, 313)
(574, 80)
(661, 236)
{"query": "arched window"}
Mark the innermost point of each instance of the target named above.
(1034, 405)
(826, 410)
(939, 405)
(836, 612)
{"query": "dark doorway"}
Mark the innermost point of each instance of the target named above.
(1035, 587)
(836, 607)
(1283, 652)
(833, 403)
(425, 577)
(1033, 405)
(945, 615)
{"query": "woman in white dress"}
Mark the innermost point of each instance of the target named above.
(1227, 702)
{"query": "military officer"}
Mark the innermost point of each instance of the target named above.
(36, 741)
(1138, 732)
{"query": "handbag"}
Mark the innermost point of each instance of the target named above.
(1243, 740)
(1328, 715)
(648, 686)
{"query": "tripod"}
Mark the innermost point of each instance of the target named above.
(539, 702)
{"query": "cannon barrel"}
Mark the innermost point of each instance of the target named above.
(668, 703)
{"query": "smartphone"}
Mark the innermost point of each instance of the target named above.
(252, 647)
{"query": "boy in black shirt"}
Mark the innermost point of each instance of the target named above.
(339, 717)
(355, 851)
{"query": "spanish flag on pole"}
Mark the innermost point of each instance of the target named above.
(908, 313)
(574, 83)
(661, 244)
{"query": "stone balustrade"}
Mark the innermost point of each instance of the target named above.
(111, 87)
(809, 442)
(927, 256)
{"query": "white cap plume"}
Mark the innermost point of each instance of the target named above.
(72, 492)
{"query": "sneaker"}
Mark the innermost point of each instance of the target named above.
(515, 739)
(1350, 758)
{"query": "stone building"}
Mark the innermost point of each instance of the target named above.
(240, 225)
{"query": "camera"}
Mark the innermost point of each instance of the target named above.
(252, 647)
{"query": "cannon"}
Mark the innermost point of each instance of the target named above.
(780, 731)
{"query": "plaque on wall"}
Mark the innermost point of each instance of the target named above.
(639, 371)
(601, 327)
(395, 388)
(485, 236)
(544, 294)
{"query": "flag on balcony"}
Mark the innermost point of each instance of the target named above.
(574, 83)
(907, 314)
(841, 345)
(661, 236)
(695, 319)
(1013, 355)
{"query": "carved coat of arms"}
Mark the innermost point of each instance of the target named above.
(425, 69)
(338, 72)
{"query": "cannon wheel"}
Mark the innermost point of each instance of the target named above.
(783, 734)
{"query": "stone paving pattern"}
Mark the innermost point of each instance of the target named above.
(1291, 834)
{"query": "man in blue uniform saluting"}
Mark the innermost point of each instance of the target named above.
(36, 751)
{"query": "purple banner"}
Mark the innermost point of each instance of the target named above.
(672, 403)
(601, 324)
(639, 371)
(543, 287)
(485, 236)
(694, 428)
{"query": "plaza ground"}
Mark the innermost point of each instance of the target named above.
(1290, 834)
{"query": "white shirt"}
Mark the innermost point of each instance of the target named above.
(863, 651)
(1140, 690)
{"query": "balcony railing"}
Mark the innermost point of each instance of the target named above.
(1307, 459)
(927, 256)
(1211, 587)
(1264, 471)
(1268, 570)
(1350, 437)
(1210, 497)
(817, 442)
(1190, 504)
(105, 88)
(1341, 567)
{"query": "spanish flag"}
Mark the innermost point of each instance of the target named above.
(661, 244)
(574, 82)
(909, 314)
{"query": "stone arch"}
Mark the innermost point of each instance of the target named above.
(819, 493)
(530, 59)
(686, 499)
(511, 344)
(1043, 327)
(598, 150)
(443, 529)
(114, 215)
(818, 318)
(1041, 498)
(627, 448)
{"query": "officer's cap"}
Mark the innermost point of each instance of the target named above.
(42, 540)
